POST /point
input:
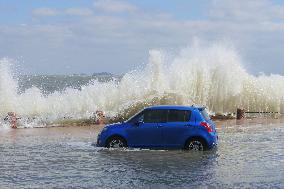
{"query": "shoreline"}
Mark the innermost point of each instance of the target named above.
(218, 122)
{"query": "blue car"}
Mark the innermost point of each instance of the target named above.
(162, 127)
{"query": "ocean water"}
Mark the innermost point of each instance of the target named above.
(249, 155)
(213, 76)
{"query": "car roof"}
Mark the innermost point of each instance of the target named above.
(174, 107)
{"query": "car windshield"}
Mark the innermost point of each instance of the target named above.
(135, 117)
(205, 115)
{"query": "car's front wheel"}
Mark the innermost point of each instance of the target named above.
(116, 142)
(195, 145)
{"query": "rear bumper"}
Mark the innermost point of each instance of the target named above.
(213, 140)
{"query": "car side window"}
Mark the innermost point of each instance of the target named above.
(178, 115)
(155, 116)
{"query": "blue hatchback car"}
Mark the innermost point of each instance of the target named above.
(166, 127)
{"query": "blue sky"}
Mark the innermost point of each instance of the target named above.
(17, 11)
(86, 36)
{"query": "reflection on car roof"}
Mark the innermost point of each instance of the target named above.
(176, 107)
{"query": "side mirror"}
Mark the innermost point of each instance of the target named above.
(138, 123)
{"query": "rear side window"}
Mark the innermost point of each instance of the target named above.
(155, 116)
(205, 115)
(178, 115)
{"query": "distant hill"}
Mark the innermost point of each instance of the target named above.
(105, 74)
(50, 83)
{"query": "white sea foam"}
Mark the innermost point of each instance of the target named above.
(213, 76)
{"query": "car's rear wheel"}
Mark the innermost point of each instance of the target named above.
(195, 144)
(116, 142)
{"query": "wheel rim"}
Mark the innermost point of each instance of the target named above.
(116, 143)
(195, 146)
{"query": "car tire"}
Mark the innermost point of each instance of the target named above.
(195, 144)
(116, 142)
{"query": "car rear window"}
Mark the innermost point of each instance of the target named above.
(178, 115)
(155, 116)
(205, 114)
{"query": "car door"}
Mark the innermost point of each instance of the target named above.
(176, 128)
(145, 131)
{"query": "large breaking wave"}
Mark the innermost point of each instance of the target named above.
(212, 76)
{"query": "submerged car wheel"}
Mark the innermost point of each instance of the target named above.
(116, 142)
(195, 145)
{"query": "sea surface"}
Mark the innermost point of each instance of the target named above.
(250, 154)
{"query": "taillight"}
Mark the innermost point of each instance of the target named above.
(207, 126)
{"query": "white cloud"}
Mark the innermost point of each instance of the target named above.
(45, 12)
(76, 11)
(246, 11)
(115, 6)
(79, 11)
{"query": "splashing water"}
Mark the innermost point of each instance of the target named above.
(212, 76)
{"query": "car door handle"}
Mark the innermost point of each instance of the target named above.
(159, 126)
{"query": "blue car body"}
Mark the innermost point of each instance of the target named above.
(163, 127)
